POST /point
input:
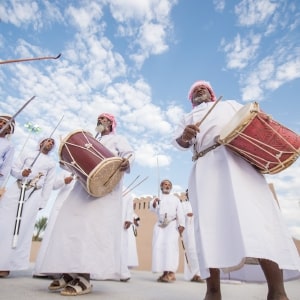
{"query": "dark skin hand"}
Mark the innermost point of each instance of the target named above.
(127, 224)
(26, 172)
(124, 165)
(189, 132)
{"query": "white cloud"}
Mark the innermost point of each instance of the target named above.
(147, 155)
(254, 12)
(269, 74)
(147, 23)
(241, 50)
(219, 5)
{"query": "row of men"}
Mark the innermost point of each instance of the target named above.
(236, 216)
(39, 179)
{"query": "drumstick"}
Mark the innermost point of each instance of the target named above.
(124, 194)
(131, 183)
(201, 121)
(117, 169)
(184, 251)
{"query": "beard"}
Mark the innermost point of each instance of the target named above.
(100, 128)
(166, 191)
(202, 98)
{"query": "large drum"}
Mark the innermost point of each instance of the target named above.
(94, 165)
(263, 142)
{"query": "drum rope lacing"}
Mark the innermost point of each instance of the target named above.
(88, 146)
(266, 167)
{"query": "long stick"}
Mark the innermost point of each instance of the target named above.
(124, 194)
(14, 116)
(158, 178)
(201, 121)
(131, 183)
(44, 144)
(29, 59)
(19, 215)
(183, 247)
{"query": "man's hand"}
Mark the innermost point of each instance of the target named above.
(26, 172)
(180, 229)
(127, 224)
(124, 165)
(189, 132)
(68, 179)
(155, 202)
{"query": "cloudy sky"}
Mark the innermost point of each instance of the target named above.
(137, 60)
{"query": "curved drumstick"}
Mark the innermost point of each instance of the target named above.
(201, 121)
(29, 59)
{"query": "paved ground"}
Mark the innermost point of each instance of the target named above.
(142, 286)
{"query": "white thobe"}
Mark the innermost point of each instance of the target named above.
(130, 250)
(7, 151)
(64, 189)
(165, 247)
(191, 265)
(86, 237)
(18, 258)
(133, 259)
(235, 212)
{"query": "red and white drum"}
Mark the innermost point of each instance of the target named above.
(96, 167)
(265, 143)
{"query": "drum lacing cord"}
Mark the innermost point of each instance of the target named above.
(252, 156)
(286, 141)
(86, 147)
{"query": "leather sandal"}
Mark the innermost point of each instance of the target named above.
(60, 283)
(197, 278)
(78, 286)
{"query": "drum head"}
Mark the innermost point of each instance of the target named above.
(241, 119)
(104, 177)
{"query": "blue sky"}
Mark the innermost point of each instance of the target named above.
(137, 60)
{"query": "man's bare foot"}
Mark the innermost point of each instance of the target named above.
(276, 296)
(213, 295)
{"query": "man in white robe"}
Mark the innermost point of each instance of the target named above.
(38, 180)
(7, 149)
(170, 224)
(235, 214)
(127, 232)
(191, 270)
(64, 183)
(129, 250)
(86, 238)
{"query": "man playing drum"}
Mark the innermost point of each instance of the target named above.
(236, 216)
(86, 237)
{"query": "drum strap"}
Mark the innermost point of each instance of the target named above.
(203, 152)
